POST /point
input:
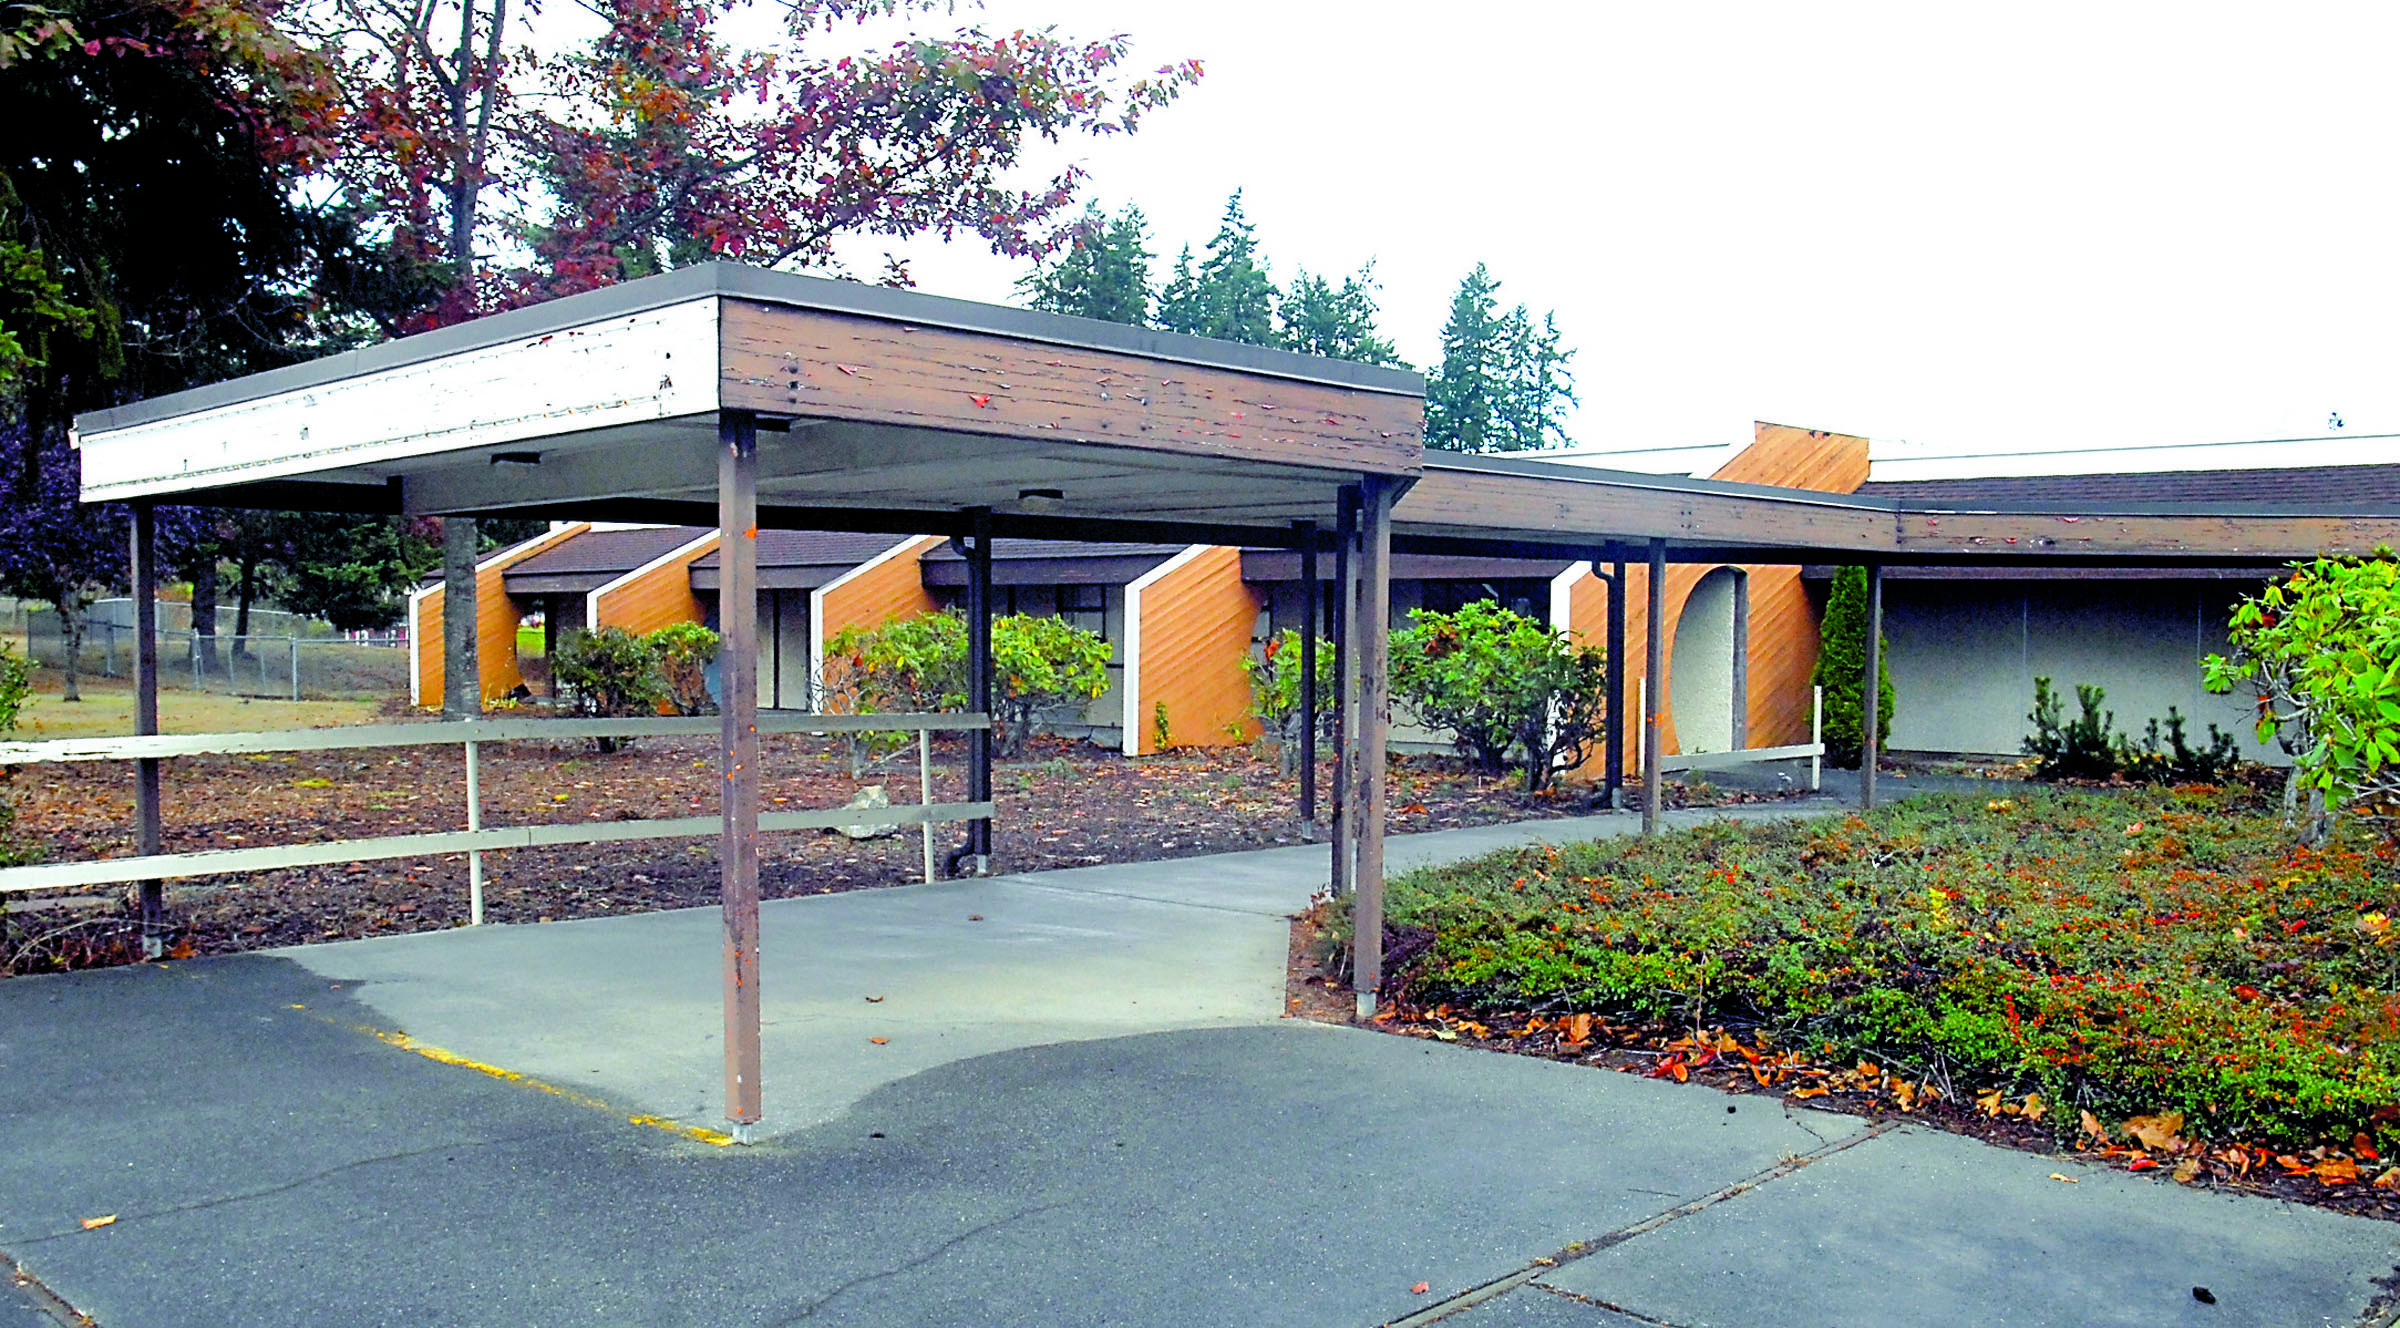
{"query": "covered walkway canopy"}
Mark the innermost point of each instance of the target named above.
(730, 396)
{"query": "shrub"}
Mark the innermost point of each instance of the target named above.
(1841, 669)
(16, 688)
(1504, 685)
(1275, 691)
(608, 673)
(684, 651)
(1041, 666)
(2088, 746)
(2131, 951)
(2321, 650)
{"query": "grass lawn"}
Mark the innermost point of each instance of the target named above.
(2147, 953)
(106, 710)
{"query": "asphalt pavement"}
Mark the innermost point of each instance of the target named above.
(1085, 1109)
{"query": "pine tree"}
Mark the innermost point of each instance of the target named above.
(1503, 383)
(1230, 296)
(1104, 274)
(1463, 392)
(1841, 666)
(1319, 319)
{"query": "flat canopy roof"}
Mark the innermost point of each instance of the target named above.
(894, 411)
(872, 399)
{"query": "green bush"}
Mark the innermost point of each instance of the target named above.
(1275, 691)
(1841, 671)
(684, 651)
(1042, 667)
(1505, 686)
(2133, 951)
(608, 673)
(2088, 746)
(16, 688)
(2321, 650)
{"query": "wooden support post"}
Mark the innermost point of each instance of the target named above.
(1374, 688)
(737, 703)
(1345, 696)
(1654, 694)
(979, 681)
(149, 826)
(1309, 591)
(1616, 675)
(1870, 696)
(462, 666)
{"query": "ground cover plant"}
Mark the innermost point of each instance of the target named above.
(2167, 961)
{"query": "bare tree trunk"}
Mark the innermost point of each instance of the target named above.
(204, 614)
(244, 592)
(70, 639)
(462, 672)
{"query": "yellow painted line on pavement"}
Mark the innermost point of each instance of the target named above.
(445, 1056)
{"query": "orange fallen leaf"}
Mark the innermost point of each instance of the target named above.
(1682, 1072)
(94, 1223)
(1420, 1288)
(1815, 1090)
(2067, 1179)
(2337, 1171)
(879, 1041)
(2187, 1171)
(2092, 1127)
(2389, 1178)
(1579, 1027)
(2158, 1133)
(2033, 1109)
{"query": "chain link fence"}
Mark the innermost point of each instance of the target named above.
(291, 666)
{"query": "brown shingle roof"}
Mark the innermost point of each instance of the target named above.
(812, 548)
(614, 552)
(2331, 488)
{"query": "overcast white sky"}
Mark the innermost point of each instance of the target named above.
(2071, 223)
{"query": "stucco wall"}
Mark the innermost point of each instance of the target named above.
(1964, 655)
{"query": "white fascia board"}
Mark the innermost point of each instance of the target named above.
(1130, 719)
(653, 365)
(591, 599)
(1891, 461)
(909, 547)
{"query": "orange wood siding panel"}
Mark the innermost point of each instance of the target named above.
(656, 596)
(1783, 624)
(893, 588)
(1196, 627)
(496, 618)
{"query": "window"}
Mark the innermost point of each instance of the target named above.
(1086, 607)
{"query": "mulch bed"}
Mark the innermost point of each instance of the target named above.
(1061, 804)
(1719, 1058)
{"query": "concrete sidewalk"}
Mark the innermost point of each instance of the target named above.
(1088, 1111)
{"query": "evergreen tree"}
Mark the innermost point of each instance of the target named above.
(1841, 666)
(1229, 295)
(1104, 273)
(1503, 383)
(1319, 319)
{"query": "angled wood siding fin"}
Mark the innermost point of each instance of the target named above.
(890, 585)
(496, 617)
(1188, 624)
(656, 594)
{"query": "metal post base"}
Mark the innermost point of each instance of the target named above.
(1366, 1005)
(1308, 832)
(742, 1132)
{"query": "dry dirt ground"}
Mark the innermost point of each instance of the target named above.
(1062, 805)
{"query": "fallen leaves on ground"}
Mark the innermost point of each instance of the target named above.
(95, 1223)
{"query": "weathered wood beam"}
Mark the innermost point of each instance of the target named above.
(1374, 731)
(1870, 702)
(1654, 687)
(738, 792)
(819, 364)
(148, 819)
